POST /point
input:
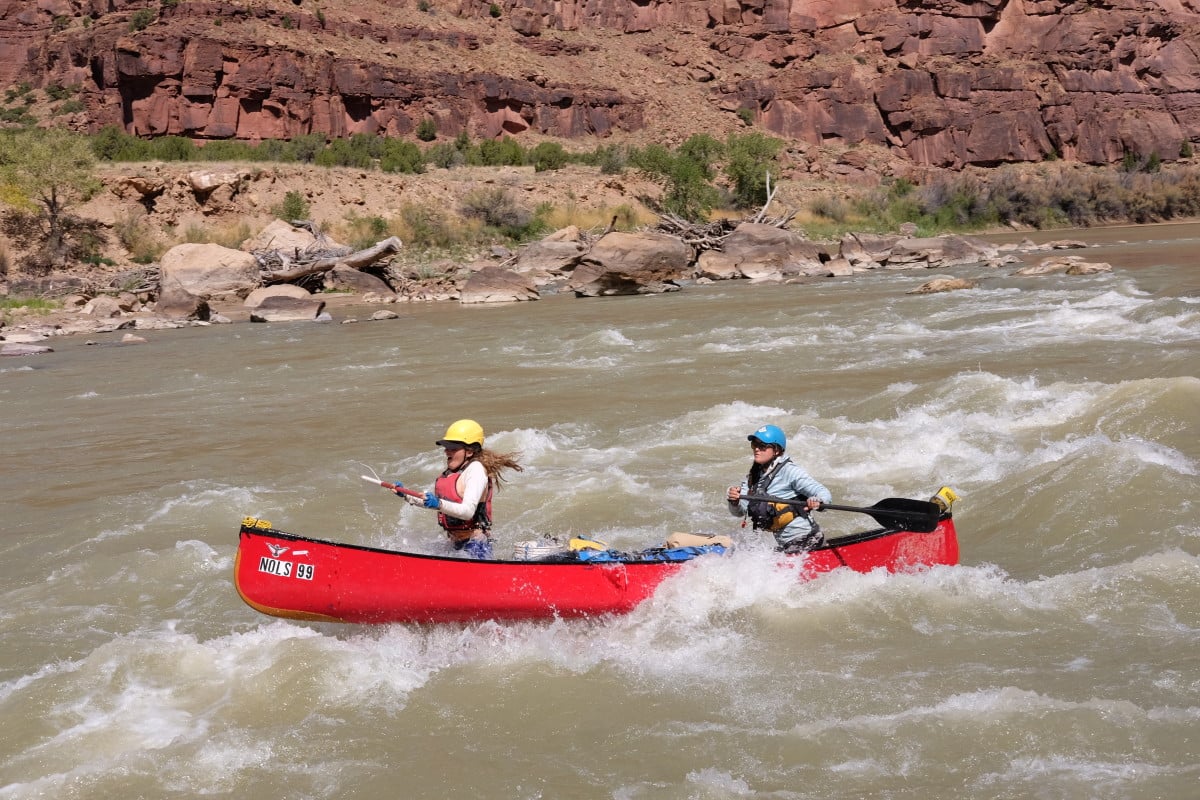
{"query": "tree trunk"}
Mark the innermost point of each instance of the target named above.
(356, 260)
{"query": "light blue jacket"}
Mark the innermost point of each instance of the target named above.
(789, 482)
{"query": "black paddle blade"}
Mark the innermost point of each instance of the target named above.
(913, 515)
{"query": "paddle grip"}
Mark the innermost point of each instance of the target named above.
(393, 487)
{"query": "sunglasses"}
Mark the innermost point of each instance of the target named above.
(453, 448)
(760, 446)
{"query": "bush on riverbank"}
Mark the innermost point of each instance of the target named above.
(452, 213)
(1066, 196)
(12, 307)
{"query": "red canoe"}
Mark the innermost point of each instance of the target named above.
(291, 576)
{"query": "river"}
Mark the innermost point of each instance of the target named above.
(1059, 660)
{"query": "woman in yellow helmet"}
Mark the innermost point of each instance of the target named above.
(462, 494)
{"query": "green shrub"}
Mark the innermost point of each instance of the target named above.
(832, 208)
(111, 143)
(505, 153)
(273, 150)
(36, 305)
(228, 150)
(293, 207)
(497, 210)
(684, 174)
(424, 227)
(364, 232)
(307, 147)
(17, 116)
(172, 148)
(137, 239)
(548, 156)
(444, 155)
(749, 159)
(353, 152)
(427, 130)
(401, 156)
(611, 159)
(141, 19)
(20, 90)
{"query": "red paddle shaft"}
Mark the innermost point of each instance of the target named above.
(393, 487)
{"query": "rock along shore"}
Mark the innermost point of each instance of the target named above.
(199, 285)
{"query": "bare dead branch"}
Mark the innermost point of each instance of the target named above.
(303, 266)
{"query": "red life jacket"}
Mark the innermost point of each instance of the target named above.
(457, 529)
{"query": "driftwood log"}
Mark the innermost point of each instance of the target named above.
(711, 235)
(356, 260)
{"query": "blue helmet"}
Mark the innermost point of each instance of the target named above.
(770, 434)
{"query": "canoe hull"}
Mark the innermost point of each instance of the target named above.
(297, 577)
(285, 575)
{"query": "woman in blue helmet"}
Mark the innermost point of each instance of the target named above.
(775, 474)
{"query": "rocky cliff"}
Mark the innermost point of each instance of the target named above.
(938, 83)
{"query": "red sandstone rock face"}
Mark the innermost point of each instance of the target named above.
(937, 82)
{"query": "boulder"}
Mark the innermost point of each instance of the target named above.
(840, 268)
(1068, 265)
(262, 293)
(103, 306)
(210, 271)
(347, 278)
(943, 285)
(714, 265)
(21, 349)
(940, 251)
(280, 235)
(287, 309)
(205, 182)
(766, 253)
(498, 285)
(25, 337)
(139, 186)
(549, 256)
(631, 263)
(176, 302)
(866, 250)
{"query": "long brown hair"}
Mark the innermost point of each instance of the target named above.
(495, 463)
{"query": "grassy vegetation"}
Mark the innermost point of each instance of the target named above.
(1054, 197)
(700, 179)
(687, 172)
(12, 307)
(229, 235)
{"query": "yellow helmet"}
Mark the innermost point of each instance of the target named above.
(465, 431)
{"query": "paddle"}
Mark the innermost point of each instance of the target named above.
(913, 515)
(393, 487)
